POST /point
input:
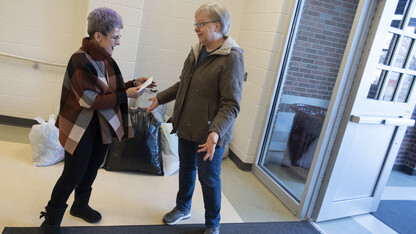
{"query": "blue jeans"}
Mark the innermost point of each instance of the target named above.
(208, 175)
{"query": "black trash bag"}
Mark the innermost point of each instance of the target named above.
(140, 153)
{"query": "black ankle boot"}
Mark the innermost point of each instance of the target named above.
(82, 210)
(53, 218)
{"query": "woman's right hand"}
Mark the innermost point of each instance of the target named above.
(155, 103)
(133, 92)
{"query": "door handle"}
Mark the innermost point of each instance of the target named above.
(399, 122)
(382, 120)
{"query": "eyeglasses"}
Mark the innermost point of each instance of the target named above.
(200, 24)
(117, 37)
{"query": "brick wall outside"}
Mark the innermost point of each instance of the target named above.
(318, 48)
(406, 158)
(321, 39)
(316, 57)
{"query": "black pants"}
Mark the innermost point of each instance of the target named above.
(81, 168)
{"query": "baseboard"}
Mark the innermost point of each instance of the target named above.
(240, 164)
(16, 121)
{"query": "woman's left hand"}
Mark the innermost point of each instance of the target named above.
(155, 103)
(209, 146)
(141, 80)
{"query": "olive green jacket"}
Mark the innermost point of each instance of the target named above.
(208, 95)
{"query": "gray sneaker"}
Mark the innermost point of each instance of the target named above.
(175, 216)
(212, 230)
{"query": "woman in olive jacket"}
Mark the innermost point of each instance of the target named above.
(207, 102)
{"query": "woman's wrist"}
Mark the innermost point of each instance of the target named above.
(134, 83)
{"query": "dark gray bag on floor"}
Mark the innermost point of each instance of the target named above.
(140, 153)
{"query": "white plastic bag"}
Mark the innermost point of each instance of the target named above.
(169, 148)
(143, 102)
(44, 140)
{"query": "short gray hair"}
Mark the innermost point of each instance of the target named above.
(217, 12)
(103, 20)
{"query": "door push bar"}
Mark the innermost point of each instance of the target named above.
(382, 120)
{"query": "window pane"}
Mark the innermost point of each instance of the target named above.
(412, 23)
(403, 52)
(375, 87)
(405, 90)
(399, 14)
(391, 86)
(388, 48)
(412, 65)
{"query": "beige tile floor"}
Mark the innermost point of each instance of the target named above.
(134, 199)
(122, 198)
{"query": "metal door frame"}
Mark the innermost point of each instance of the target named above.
(263, 176)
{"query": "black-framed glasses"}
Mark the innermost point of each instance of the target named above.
(116, 37)
(200, 24)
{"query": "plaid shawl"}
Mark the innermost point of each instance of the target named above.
(83, 92)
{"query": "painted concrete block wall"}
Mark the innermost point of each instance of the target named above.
(156, 39)
(262, 35)
(46, 30)
(52, 33)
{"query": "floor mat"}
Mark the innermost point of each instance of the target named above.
(399, 215)
(302, 227)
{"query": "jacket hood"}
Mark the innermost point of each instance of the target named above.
(225, 49)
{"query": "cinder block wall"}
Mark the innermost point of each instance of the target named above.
(45, 30)
(155, 41)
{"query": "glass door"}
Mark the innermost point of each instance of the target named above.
(307, 76)
(380, 107)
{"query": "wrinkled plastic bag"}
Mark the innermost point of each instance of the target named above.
(143, 102)
(44, 140)
(169, 146)
(140, 153)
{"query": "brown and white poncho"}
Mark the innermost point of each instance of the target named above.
(85, 91)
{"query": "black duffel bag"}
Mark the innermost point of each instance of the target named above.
(140, 153)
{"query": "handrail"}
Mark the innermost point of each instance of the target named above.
(36, 65)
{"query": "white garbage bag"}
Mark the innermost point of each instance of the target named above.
(169, 148)
(44, 140)
(143, 102)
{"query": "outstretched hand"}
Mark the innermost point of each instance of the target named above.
(155, 103)
(209, 146)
